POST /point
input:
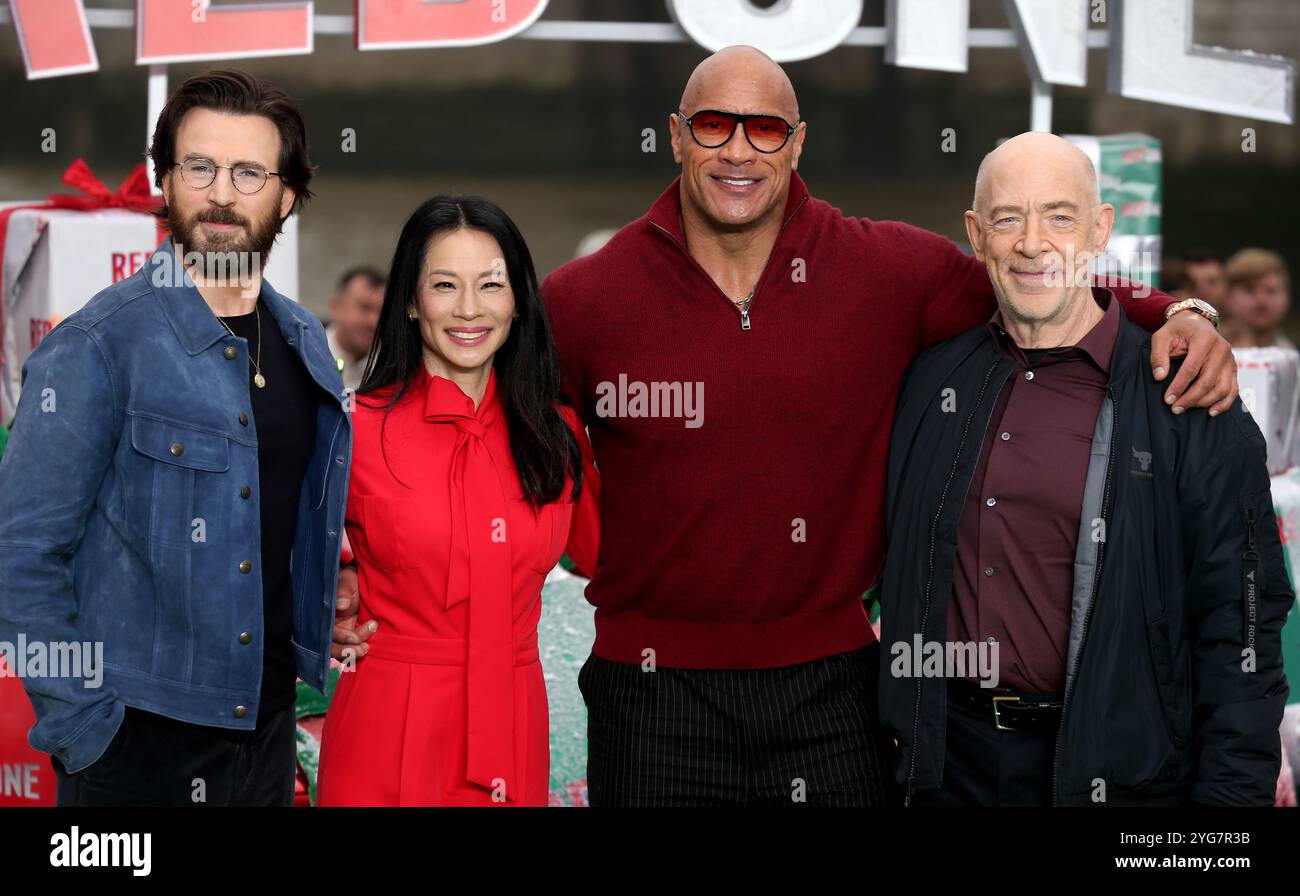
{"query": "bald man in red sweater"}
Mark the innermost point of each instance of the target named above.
(736, 354)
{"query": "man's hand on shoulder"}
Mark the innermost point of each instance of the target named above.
(1208, 376)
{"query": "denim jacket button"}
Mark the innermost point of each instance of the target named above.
(245, 492)
(241, 711)
(245, 637)
(243, 419)
(177, 449)
(230, 353)
(245, 566)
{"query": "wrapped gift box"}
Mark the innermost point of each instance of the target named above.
(56, 258)
(1267, 378)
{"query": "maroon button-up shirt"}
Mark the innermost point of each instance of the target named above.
(1020, 524)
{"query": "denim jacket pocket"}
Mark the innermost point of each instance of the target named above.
(180, 445)
(173, 488)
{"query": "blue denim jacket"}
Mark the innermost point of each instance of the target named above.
(123, 519)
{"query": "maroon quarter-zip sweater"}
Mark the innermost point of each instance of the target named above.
(743, 470)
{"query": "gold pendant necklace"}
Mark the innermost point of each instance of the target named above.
(258, 379)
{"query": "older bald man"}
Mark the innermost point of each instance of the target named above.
(736, 353)
(1118, 565)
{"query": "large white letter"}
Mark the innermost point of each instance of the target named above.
(1152, 57)
(1053, 36)
(927, 34)
(787, 31)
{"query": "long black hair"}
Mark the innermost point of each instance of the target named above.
(527, 370)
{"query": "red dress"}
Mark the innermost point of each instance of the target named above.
(449, 707)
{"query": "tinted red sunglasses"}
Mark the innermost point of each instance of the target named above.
(712, 128)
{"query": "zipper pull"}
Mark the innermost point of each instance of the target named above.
(744, 318)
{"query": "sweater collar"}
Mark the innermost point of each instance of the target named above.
(666, 212)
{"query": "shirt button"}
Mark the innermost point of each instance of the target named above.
(230, 353)
(988, 570)
(245, 566)
(245, 637)
(177, 449)
(245, 492)
(243, 419)
(991, 639)
(1006, 436)
(1029, 374)
(241, 711)
(991, 501)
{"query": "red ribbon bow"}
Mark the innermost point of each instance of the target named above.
(133, 195)
(480, 564)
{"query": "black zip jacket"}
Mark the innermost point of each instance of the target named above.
(1174, 685)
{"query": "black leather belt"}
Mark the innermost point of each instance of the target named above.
(1008, 710)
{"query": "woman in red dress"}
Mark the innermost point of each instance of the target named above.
(467, 478)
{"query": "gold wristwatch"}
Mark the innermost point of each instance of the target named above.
(1204, 309)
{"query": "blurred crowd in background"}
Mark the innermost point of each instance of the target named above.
(1251, 289)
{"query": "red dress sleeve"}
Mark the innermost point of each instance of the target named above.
(583, 546)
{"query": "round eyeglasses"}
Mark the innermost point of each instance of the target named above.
(712, 129)
(248, 178)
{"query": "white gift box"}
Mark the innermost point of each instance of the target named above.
(55, 260)
(1267, 378)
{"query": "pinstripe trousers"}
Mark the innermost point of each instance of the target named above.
(806, 734)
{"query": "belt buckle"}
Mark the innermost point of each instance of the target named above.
(997, 720)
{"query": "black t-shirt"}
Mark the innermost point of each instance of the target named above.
(284, 419)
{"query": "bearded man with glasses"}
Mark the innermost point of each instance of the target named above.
(172, 496)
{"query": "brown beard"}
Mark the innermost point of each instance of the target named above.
(254, 241)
